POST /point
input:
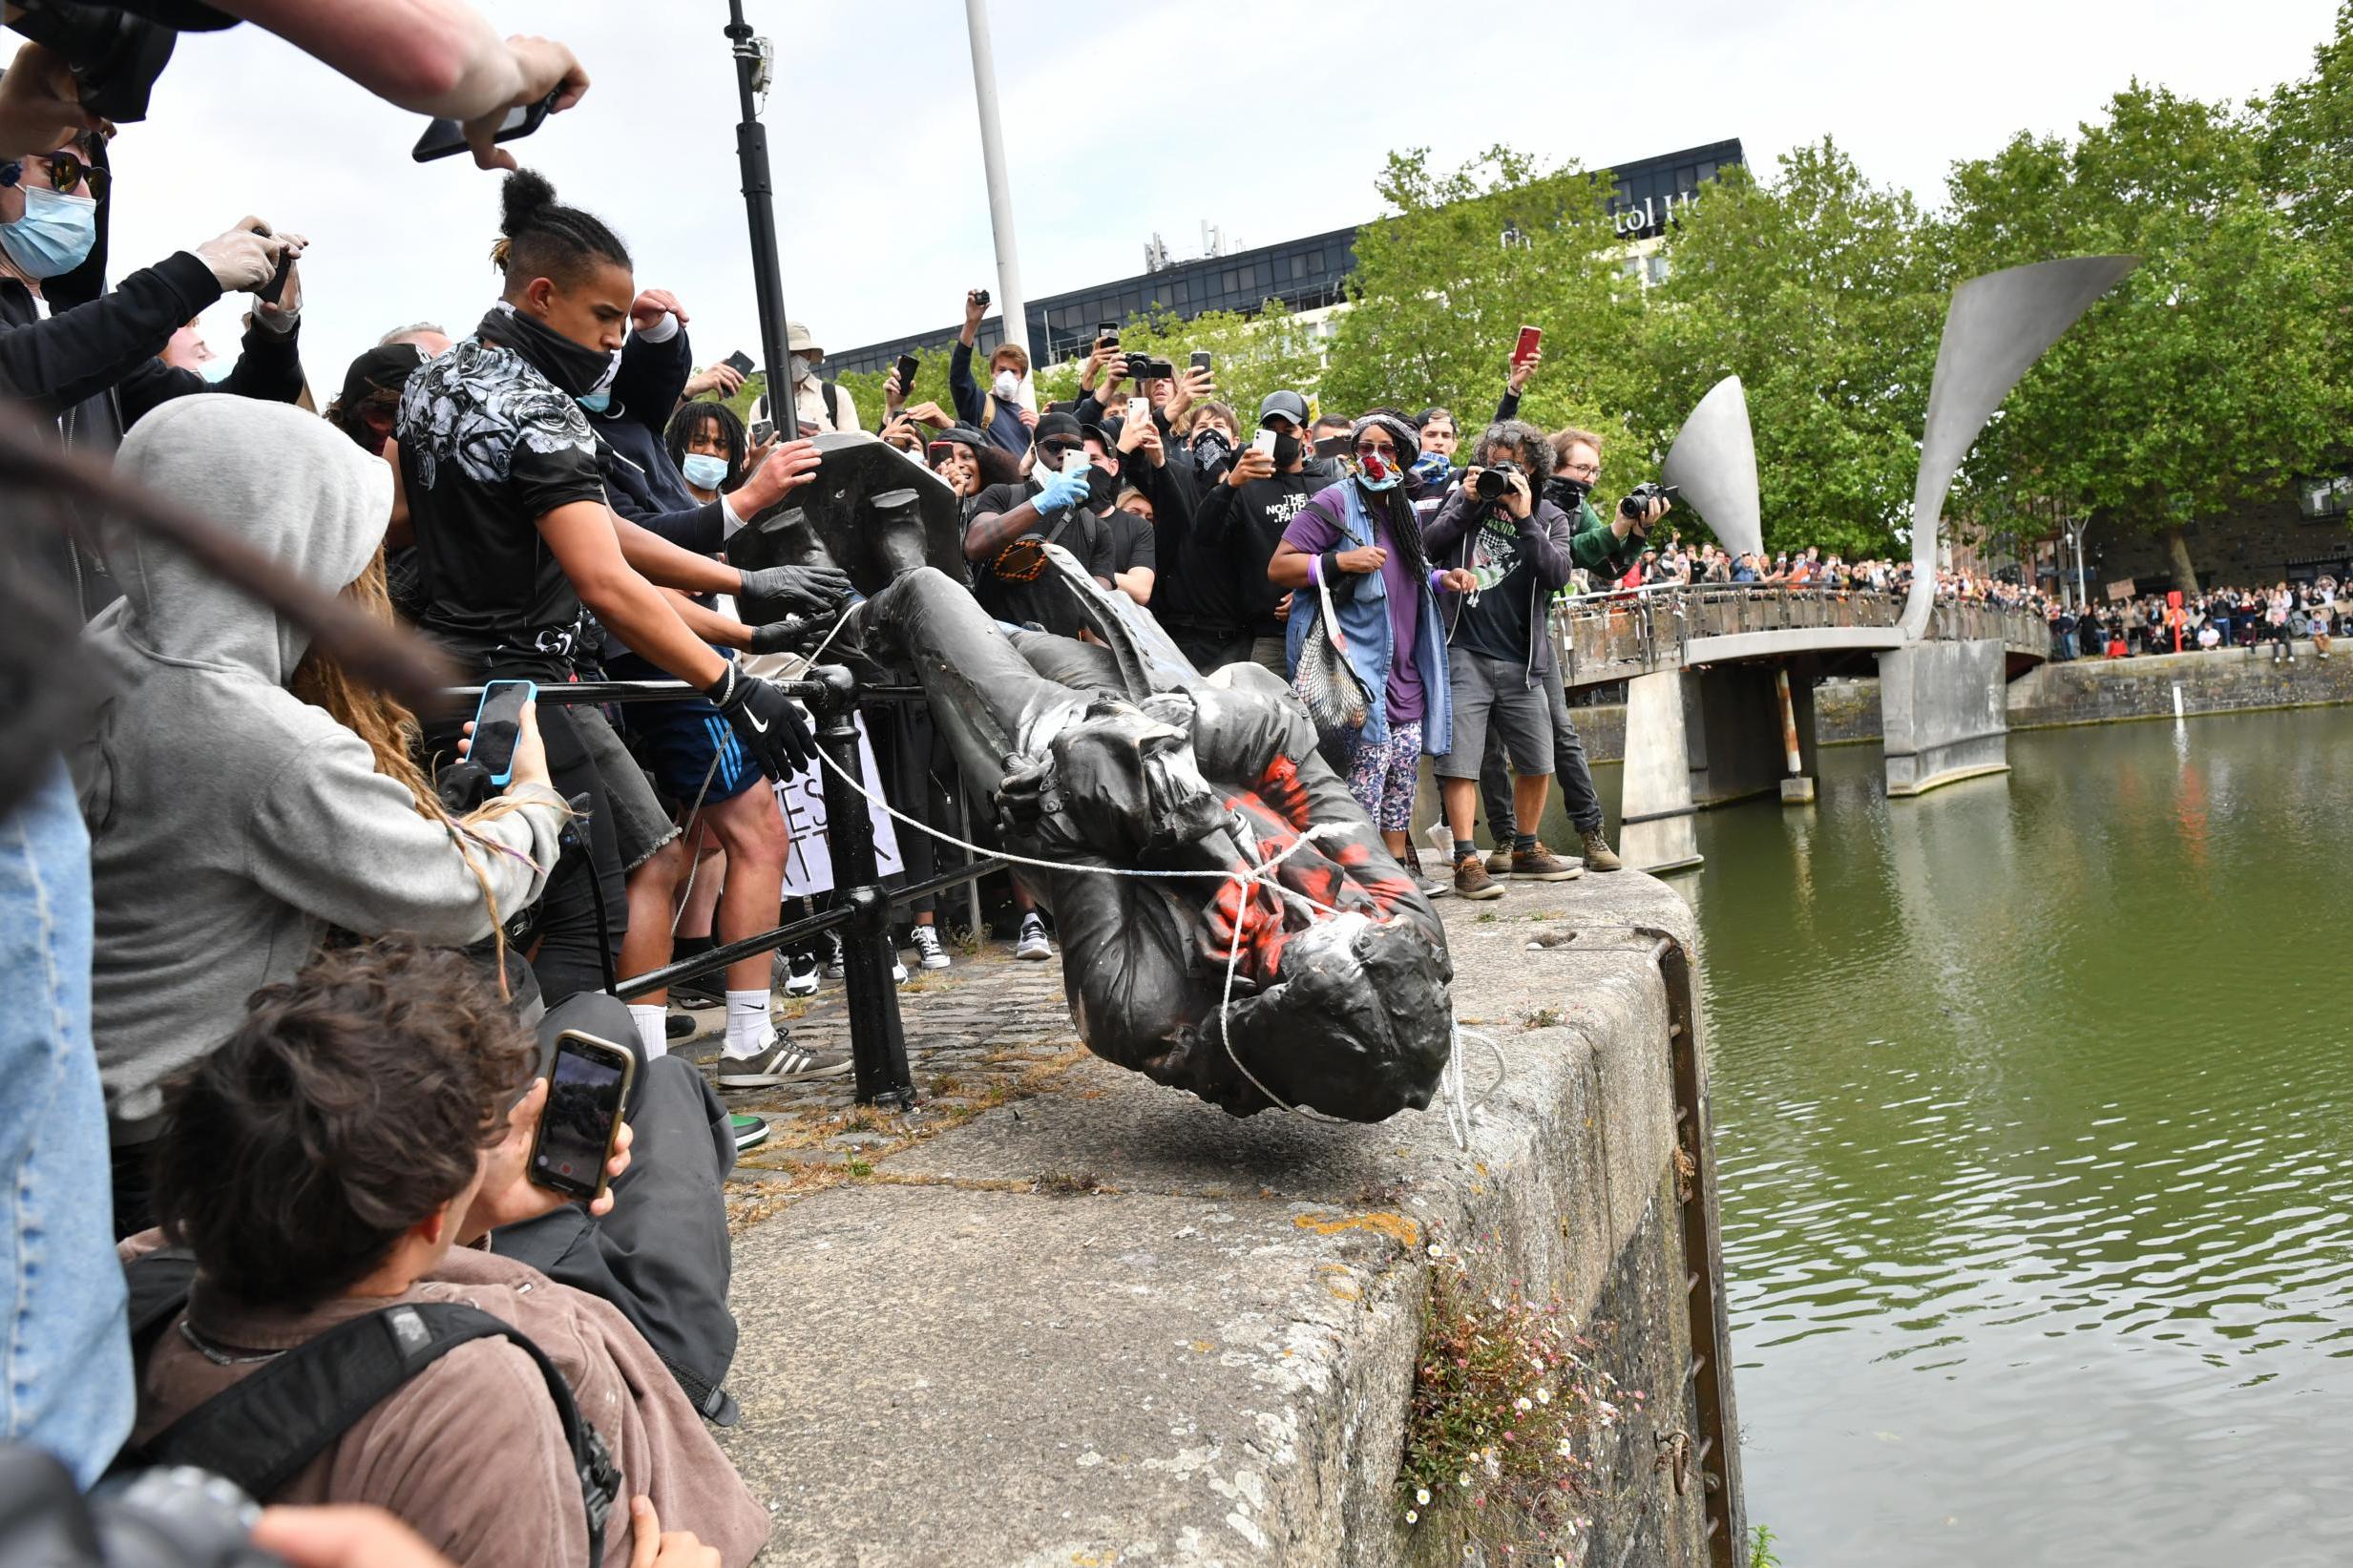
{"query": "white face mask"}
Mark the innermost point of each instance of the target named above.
(801, 369)
(1007, 385)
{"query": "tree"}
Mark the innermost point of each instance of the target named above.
(2205, 379)
(1459, 265)
(1824, 294)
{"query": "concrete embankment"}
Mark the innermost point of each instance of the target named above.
(1101, 1321)
(2083, 691)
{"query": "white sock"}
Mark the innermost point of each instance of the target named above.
(749, 1029)
(653, 1029)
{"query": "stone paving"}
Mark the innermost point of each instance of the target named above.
(985, 1032)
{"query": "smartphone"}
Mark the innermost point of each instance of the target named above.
(1263, 442)
(1201, 359)
(1333, 446)
(444, 137)
(739, 361)
(761, 430)
(1075, 464)
(588, 1083)
(498, 725)
(908, 365)
(1108, 332)
(938, 450)
(1531, 339)
(269, 292)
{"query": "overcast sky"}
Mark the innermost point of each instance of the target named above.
(1118, 122)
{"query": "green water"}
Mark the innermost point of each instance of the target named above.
(2032, 1099)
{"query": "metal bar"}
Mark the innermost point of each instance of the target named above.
(570, 693)
(1703, 1255)
(877, 1039)
(751, 154)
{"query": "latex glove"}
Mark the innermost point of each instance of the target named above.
(771, 592)
(1063, 491)
(785, 636)
(764, 719)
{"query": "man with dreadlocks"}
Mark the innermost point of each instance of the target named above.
(1359, 544)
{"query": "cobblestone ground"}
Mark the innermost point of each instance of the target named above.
(984, 1031)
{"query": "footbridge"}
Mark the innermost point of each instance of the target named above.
(1719, 684)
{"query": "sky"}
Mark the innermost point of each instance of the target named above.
(1119, 122)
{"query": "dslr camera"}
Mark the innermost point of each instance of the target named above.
(173, 1517)
(1638, 500)
(1145, 367)
(1493, 481)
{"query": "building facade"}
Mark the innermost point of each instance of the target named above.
(1306, 275)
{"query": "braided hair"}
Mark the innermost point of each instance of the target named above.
(539, 237)
(695, 419)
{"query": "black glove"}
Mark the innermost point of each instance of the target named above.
(791, 635)
(764, 719)
(771, 592)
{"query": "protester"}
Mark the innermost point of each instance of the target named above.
(1360, 543)
(515, 539)
(468, 1451)
(1242, 518)
(1500, 654)
(1056, 505)
(244, 797)
(1005, 413)
(825, 408)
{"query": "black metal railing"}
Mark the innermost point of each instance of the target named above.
(862, 905)
(1607, 635)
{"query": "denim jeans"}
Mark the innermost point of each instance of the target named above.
(65, 1360)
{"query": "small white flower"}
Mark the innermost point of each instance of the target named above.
(1563, 1449)
(1543, 1396)
(1412, 1516)
(1521, 1404)
(1465, 1477)
(1421, 1495)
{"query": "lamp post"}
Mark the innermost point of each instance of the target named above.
(753, 64)
(2075, 535)
(1012, 314)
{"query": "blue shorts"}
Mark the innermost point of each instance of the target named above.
(685, 744)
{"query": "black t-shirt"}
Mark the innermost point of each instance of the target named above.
(1261, 511)
(488, 447)
(1036, 602)
(1495, 621)
(1133, 541)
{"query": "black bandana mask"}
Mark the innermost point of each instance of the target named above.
(574, 369)
(1566, 493)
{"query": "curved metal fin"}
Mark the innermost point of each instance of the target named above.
(1714, 461)
(1997, 327)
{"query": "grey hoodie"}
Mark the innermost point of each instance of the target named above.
(230, 822)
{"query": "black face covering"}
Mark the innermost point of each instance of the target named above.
(1566, 493)
(1101, 490)
(1286, 451)
(573, 368)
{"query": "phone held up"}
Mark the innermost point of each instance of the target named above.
(1531, 339)
(739, 361)
(908, 366)
(588, 1086)
(1201, 359)
(443, 137)
(1263, 442)
(497, 727)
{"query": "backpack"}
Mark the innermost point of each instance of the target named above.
(260, 1432)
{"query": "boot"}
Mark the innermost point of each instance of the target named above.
(1598, 855)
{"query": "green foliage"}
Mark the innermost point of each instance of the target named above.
(1826, 295)
(1760, 1549)
(1251, 355)
(2206, 379)
(1460, 263)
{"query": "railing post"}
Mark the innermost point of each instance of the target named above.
(877, 1039)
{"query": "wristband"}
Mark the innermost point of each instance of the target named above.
(1437, 580)
(1329, 564)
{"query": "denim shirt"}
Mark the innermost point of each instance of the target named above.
(1364, 621)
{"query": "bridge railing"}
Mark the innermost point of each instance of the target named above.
(1628, 632)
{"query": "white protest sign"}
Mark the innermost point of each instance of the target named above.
(808, 867)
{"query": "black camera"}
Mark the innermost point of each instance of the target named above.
(116, 56)
(1145, 367)
(1493, 481)
(174, 1516)
(1638, 500)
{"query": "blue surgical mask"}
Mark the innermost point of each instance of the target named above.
(1390, 480)
(703, 471)
(54, 236)
(597, 402)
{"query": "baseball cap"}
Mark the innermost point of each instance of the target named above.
(1290, 405)
(1058, 428)
(384, 369)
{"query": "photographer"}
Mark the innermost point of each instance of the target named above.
(468, 1451)
(1004, 414)
(1245, 514)
(1139, 459)
(1500, 652)
(1607, 551)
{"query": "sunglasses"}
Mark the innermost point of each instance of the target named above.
(66, 171)
(1053, 452)
(1382, 449)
